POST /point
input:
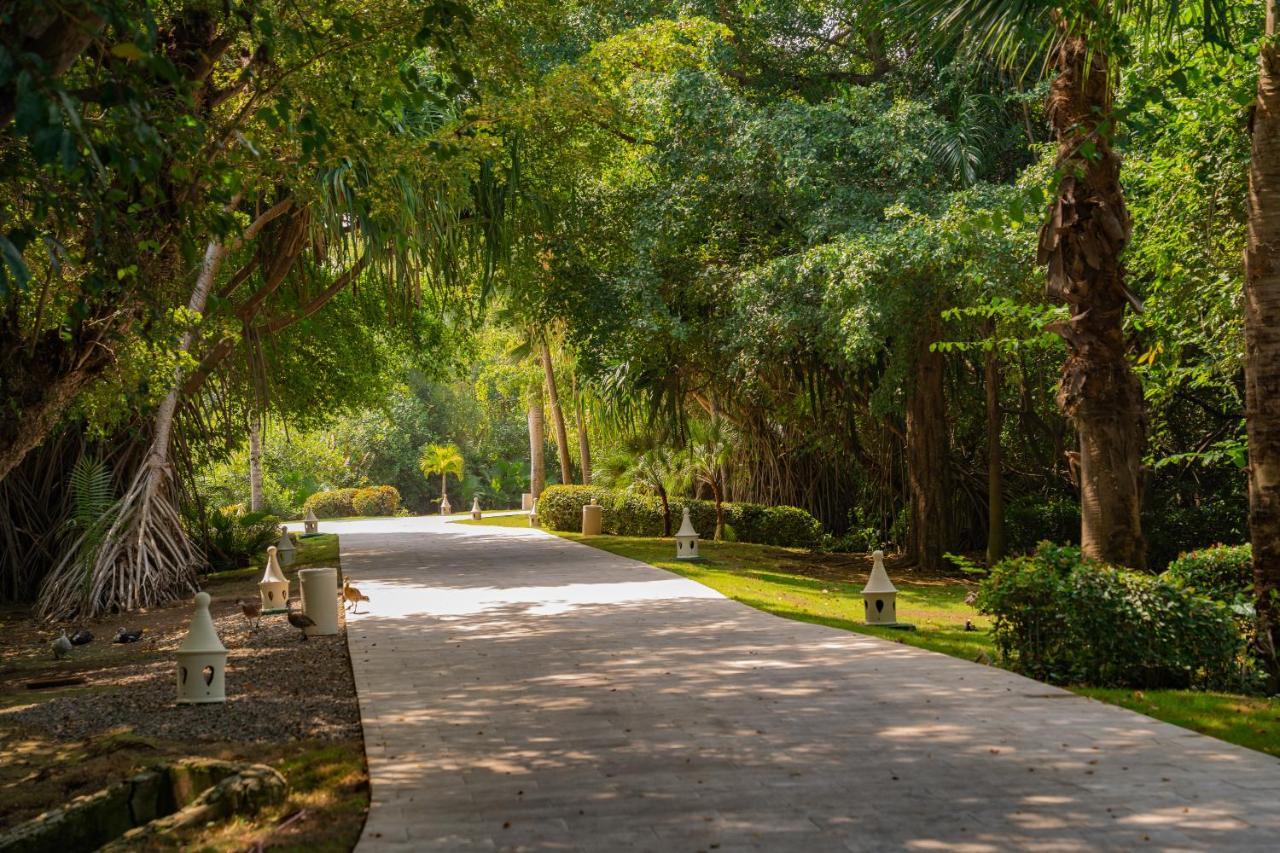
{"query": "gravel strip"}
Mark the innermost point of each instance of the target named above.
(279, 688)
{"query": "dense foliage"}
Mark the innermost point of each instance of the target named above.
(1074, 621)
(627, 513)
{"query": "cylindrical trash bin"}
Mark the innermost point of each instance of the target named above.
(320, 599)
(592, 519)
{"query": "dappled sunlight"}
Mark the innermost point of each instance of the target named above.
(550, 685)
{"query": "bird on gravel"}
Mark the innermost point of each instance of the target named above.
(81, 638)
(124, 636)
(252, 611)
(352, 596)
(61, 647)
(301, 621)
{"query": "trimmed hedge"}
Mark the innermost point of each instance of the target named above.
(631, 514)
(341, 503)
(1065, 619)
(376, 500)
(1223, 572)
(337, 503)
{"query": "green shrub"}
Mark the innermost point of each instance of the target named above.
(375, 500)
(1064, 619)
(629, 513)
(1223, 572)
(233, 539)
(337, 503)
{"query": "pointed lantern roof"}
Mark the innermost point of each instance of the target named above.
(310, 516)
(879, 581)
(273, 573)
(202, 637)
(686, 526)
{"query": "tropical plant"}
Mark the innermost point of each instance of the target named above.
(442, 459)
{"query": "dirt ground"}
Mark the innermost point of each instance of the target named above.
(290, 703)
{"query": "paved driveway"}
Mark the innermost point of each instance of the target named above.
(519, 691)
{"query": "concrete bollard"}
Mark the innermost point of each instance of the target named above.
(592, 519)
(319, 600)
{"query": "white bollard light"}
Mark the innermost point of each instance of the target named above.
(310, 523)
(284, 548)
(273, 589)
(446, 508)
(879, 596)
(686, 539)
(202, 660)
(318, 600)
(533, 514)
(475, 508)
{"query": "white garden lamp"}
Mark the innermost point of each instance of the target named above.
(526, 501)
(686, 539)
(310, 523)
(202, 660)
(475, 508)
(446, 508)
(284, 548)
(879, 596)
(273, 588)
(533, 513)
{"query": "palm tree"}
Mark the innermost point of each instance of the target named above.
(557, 412)
(1084, 233)
(1262, 347)
(442, 459)
(708, 456)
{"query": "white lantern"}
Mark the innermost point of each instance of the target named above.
(533, 514)
(475, 508)
(310, 523)
(446, 508)
(686, 539)
(284, 548)
(273, 588)
(592, 519)
(879, 596)
(202, 660)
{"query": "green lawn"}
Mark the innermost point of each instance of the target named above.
(518, 520)
(825, 589)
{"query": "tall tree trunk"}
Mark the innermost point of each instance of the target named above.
(537, 443)
(1262, 348)
(557, 416)
(1081, 243)
(995, 482)
(255, 461)
(927, 459)
(584, 440)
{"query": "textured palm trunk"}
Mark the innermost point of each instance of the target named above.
(584, 440)
(927, 462)
(995, 482)
(537, 442)
(1262, 348)
(255, 462)
(1081, 243)
(557, 417)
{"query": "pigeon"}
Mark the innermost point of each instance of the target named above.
(123, 636)
(301, 621)
(81, 638)
(252, 611)
(353, 596)
(61, 647)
